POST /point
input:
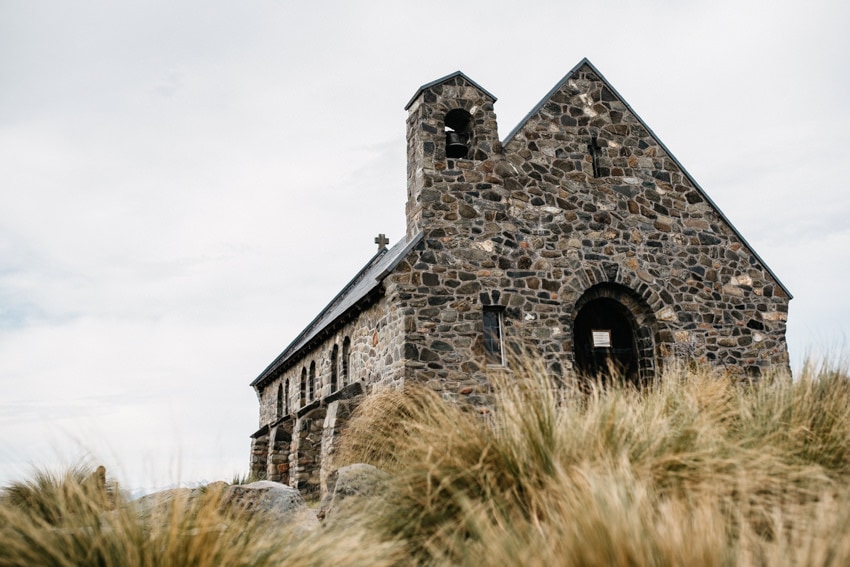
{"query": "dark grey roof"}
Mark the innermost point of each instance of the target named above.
(684, 171)
(446, 78)
(362, 286)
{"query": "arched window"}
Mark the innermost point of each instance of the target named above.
(303, 392)
(312, 394)
(346, 354)
(279, 407)
(334, 367)
(286, 397)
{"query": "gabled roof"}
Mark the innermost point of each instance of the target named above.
(364, 284)
(427, 86)
(684, 171)
(555, 89)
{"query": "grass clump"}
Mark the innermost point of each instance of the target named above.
(56, 500)
(58, 520)
(696, 468)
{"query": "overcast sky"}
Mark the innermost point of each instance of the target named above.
(185, 184)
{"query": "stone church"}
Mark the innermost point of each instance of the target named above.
(578, 236)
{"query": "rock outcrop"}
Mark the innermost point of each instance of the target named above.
(349, 485)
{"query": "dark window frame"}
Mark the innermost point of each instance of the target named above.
(279, 404)
(335, 369)
(494, 335)
(346, 361)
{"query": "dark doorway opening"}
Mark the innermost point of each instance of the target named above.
(605, 341)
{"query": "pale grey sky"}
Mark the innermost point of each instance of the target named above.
(186, 184)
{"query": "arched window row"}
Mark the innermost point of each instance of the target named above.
(308, 388)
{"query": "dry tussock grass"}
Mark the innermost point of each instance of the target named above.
(697, 468)
(694, 469)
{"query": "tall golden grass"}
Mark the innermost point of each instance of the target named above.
(694, 469)
(61, 520)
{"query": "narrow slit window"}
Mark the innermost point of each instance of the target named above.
(279, 408)
(493, 336)
(312, 393)
(346, 362)
(594, 155)
(334, 372)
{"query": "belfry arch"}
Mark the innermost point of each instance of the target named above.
(614, 329)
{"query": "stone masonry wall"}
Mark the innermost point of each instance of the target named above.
(533, 228)
(642, 216)
(336, 422)
(375, 361)
(375, 358)
(581, 204)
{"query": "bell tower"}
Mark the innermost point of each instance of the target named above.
(452, 140)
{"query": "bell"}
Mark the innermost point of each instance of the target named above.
(455, 145)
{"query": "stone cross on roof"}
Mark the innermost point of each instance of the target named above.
(381, 240)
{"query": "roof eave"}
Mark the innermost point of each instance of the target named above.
(310, 326)
(291, 353)
(284, 362)
(450, 76)
(552, 91)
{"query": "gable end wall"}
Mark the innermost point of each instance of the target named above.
(537, 225)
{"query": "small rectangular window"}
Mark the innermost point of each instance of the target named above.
(601, 338)
(493, 343)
